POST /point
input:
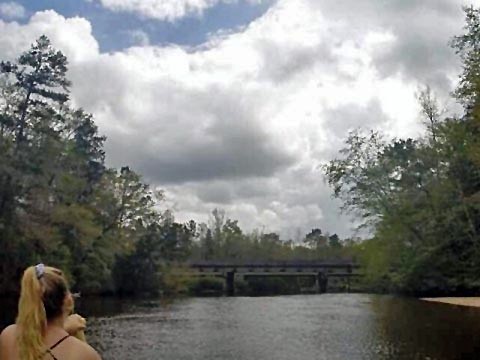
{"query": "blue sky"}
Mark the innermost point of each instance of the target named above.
(113, 29)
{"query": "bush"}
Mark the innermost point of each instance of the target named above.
(206, 286)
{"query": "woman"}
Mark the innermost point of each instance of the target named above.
(44, 326)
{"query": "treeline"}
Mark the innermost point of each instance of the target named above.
(222, 239)
(60, 204)
(421, 196)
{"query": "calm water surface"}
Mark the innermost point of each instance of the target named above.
(328, 326)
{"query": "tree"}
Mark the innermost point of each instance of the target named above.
(467, 47)
(209, 246)
(421, 196)
(233, 240)
(34, 90)
(41, 80)
(59, 203)
(315, 239)
(334, 241)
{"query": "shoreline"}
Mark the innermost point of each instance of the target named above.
(460, 301)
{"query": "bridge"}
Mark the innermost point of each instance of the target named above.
(320, 271)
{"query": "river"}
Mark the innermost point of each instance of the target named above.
(327, 326)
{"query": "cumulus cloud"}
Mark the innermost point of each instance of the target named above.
(72, 35)
(419, 35)
(245, 121)
(12, 10)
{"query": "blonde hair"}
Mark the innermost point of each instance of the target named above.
(41, 299)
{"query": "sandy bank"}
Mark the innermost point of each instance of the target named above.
(463, 301)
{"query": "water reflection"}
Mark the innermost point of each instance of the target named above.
(421, 330)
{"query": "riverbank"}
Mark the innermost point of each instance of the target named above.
(462, 301)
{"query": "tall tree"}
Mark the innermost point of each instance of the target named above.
(421, 196)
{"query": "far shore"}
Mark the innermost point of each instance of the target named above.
(462, 301)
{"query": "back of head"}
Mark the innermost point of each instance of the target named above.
(42, 297)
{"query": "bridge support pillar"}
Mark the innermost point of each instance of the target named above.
(230, 283)
(321, 283)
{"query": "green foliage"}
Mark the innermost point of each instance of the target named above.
(224, 240)
(467, 47)
(206, 286)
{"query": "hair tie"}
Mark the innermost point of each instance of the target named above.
(39, 270)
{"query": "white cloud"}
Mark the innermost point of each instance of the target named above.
(12, 10)
(169, 10)
(73, 36)
(244, 121)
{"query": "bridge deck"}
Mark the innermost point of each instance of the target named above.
(262, 273)
(221, 265)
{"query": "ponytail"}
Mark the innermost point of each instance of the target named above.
(31, 318)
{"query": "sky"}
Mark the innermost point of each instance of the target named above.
(237, 104)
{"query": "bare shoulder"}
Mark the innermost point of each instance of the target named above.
(9, 330)
(7, 341)
(85, 351)
(8, 333)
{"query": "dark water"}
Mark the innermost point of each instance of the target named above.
(328, 326)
